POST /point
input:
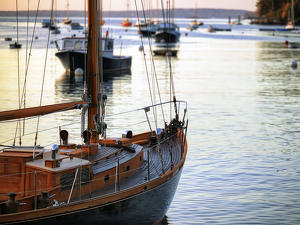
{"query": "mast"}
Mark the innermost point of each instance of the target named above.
(93, 87)
(195, 10)
(293, 12)
(68, 9)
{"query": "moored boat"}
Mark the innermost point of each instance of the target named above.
(15, 45)
(128, 179)
(167, 33)
(126, 23)
(76, 26)
(73, 55)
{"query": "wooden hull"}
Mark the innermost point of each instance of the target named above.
(71, 60)
(137, 206)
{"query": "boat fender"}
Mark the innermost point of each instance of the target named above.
(78, 72)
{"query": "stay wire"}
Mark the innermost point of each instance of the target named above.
(152, 60)
(44, 74)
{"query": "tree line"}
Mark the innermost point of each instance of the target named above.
(278, 11)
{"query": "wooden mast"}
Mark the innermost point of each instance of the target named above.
(92, 65)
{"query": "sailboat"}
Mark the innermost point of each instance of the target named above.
(168, 31)
(194, 24)
(129, 179)
(126, 22)
(67, 20)
(291, 23)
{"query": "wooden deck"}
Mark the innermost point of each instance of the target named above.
(140, 175)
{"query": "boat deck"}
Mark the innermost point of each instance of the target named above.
(140, 176)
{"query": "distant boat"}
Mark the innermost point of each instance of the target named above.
(55, 31)
(126, 22)
(143, 23)
(8, 39)
(149, 30)
(167, 33)
(212, 29)
(15, 45)
(291, 23)
(49, 23)
(74, 52)
(194, 24)
(236, 22)
(76, 26)
(67, 20)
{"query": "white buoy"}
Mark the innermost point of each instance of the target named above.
(294, 64)
(78, 72)
(141, 48)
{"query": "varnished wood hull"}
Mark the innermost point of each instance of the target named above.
(144, 207)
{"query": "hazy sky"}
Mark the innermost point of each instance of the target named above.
(6, 5)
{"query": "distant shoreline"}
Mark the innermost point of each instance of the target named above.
(178, 13)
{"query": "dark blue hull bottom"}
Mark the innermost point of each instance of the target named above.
(166, 37)
(71, 60)
(148, 207)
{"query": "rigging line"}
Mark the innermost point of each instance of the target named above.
(18, 50)
(39, 131)
(85, 55)
(43, 82)
(28, 60)
(144, 108)
(149, 86)
(151, 95)
(154, 76)
(27, 38)
(153, 65)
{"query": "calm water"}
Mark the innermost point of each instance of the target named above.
(243, 101)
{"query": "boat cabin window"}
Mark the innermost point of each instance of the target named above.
(78, 45)
(109, 44)
(68, 44)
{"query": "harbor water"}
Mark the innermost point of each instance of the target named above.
(243, 100)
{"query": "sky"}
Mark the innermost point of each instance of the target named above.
(10, 5)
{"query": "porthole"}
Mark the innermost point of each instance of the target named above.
(127, 168)
(106, 178)
(140, 158)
